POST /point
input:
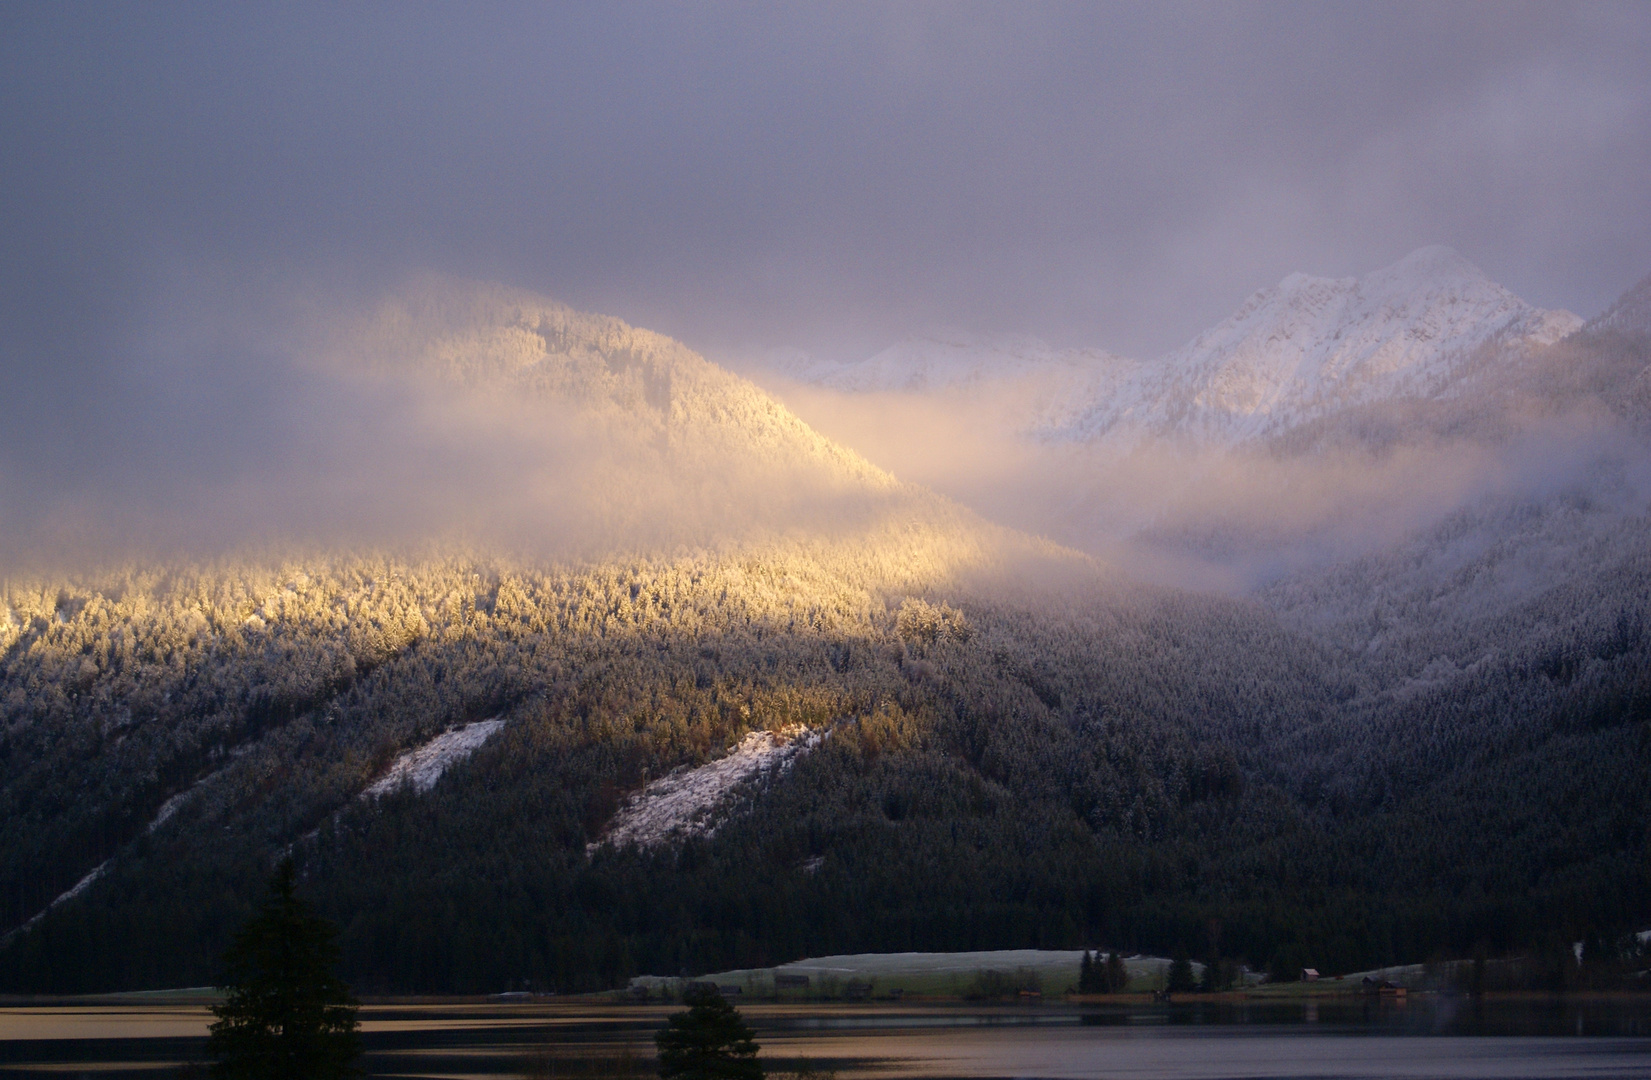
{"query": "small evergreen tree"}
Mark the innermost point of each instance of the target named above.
(1117, 975)
(707, 1041)
(1180, 974)
(287, 1017)
(1086, 974)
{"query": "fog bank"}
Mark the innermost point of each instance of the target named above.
(1180, 513)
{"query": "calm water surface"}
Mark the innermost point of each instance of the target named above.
(1427, 1038)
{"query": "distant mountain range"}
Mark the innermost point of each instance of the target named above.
(1302, 350)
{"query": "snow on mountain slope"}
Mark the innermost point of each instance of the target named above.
(79, 887)
(685, 802)
(1309, 347)
(630, 382)
(1298, 352)
(422, 766)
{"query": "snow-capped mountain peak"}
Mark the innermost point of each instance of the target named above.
(1426, 268)
(1300, 351)
(1310, 346)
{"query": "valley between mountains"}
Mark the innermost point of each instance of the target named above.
(1321, 641)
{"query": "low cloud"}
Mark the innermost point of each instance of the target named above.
(267, 426)
(1203, 517)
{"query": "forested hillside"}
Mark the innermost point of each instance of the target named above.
(1440, 748)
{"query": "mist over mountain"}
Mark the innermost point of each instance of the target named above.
(1630, 316)
(591, 573)
(950, 361)
(505, 459)
(436, 411)
(1304, 349)
(1322, 420)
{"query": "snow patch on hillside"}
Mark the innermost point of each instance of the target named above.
(79, 887)
(175, 803)
(423, 765)
(684, 803)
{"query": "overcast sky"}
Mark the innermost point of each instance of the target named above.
(755, 176)
(829, 177)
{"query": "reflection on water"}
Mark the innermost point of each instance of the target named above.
(1427, 1037)
(1624, 1017)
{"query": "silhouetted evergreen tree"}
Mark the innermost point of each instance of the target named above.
(287, 1017)
(1180, 973)
(1117, 976)
(707, 1041)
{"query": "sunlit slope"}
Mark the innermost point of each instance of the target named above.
(604, 437)
(180, 728)
(1010, 741)
(727, 521)
(172, 728)
(678, 451)
(628, 380)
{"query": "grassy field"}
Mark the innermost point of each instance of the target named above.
(961, 974)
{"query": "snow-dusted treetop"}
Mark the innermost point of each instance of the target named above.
(1310, 346)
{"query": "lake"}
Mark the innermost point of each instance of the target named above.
(1426, 1037)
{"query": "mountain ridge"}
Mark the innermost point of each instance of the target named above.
(1311, 346)
(1630, 313)
(1293, 353)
